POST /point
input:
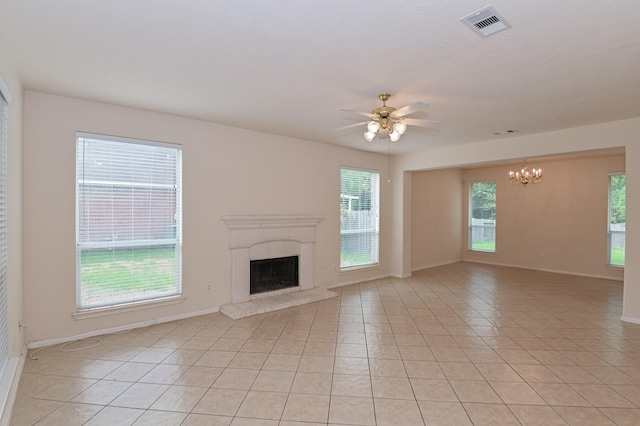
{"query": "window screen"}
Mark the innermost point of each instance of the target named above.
(359, 217)
(128, 221)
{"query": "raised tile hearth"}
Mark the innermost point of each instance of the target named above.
(263, 305)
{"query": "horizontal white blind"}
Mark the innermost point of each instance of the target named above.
(359, 217)
(3, 231)
(128, 221)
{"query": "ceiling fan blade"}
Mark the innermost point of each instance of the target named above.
(431, 124)
(351, 111)
(366, 114)
(410, 109)
(350, 126)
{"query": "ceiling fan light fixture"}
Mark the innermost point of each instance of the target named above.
(400, 127)
(373, 126)
(387, 121)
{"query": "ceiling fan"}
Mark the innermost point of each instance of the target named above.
(387, 121)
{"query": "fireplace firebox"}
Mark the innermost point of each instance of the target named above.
(273, 274)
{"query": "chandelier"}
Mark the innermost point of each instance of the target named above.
(524, 176)
(384, 121)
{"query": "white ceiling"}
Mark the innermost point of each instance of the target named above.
(288, 67)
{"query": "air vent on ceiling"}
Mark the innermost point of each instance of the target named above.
(485, 22)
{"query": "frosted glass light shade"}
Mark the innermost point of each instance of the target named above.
(373, 126)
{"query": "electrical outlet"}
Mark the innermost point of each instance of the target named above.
(209, 288)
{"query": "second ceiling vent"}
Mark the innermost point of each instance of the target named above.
(485, 22)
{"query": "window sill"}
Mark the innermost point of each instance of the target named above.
(130, 307)
(482, 252)
(359, 268)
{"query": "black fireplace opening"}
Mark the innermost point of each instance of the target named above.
(273, 274)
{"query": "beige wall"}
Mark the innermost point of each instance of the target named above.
(14, 301)
(227, 171)
(232, 171)
(631, 298)
(557, 225)
(624, 133)
(221, 179)
(561, 222)
(435, 219)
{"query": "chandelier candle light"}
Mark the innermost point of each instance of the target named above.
(524, 176)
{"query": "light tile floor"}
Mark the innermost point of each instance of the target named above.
(452, 345)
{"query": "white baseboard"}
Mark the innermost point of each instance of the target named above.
(358, 281)
(632, 320)
(93, 333)
(554, 271)
(449, 262)
(400, 276)
(9, 387)
(55, 341)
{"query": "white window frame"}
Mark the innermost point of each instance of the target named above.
(484, 225)
(118, 301)
(5, 100)
(613, 234)
(372, 223)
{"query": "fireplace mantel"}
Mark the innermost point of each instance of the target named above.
(267, 237)
(261, 222)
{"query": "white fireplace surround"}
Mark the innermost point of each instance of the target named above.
(269, 237)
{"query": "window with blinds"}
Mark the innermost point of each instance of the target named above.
(128, 221)
(482, 216)
(617, 218)
(359, 217)
(3, 231)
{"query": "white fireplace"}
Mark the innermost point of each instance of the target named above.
(269, 237)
